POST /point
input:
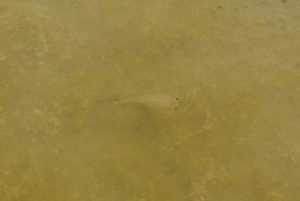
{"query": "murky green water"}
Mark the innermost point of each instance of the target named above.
(149, 100)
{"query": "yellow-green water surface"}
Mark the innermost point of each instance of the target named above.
(149, 100)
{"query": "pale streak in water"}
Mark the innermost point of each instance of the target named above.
(155, 101)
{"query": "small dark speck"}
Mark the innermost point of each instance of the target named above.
(176, 98)
(283, 1)
(219, 6)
